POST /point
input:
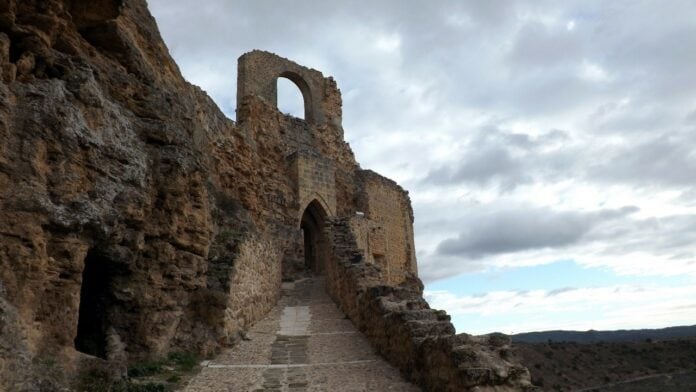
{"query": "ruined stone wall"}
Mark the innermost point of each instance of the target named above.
(388, 240)
(420, 341)
(322, 166)
(255, 284)
(257, 75)
(371, 241)
(321, 134)
(314, 180)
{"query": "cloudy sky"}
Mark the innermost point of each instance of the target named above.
(549, 147)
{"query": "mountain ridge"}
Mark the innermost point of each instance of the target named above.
(594, 336)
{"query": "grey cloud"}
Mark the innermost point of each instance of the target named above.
(661, 160)
(690, 119)
(480, 167)
(611, 233)
(438, 267)
(507, 159)
(560, 291)
(672, 235)
(538, 45)
(518, 230)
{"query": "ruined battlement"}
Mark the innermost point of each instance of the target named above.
(257, 75)
(380, 208)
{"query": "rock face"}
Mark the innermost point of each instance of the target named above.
(136, 219)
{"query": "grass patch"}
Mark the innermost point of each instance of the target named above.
(148, 387)
(162, 375)
(99, 380)
(185, 361)
(181, 361)
(145, 369)
(94, 380)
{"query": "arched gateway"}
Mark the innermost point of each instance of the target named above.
(314, 237)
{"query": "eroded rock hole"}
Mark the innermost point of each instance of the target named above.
(95, 301)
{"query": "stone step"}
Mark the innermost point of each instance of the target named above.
(304, 344)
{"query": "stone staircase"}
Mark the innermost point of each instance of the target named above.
(304, 344)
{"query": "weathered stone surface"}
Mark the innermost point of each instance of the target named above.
(109, 156)
(387, 241)
(420, 341)
(324, 352)
(136, 219)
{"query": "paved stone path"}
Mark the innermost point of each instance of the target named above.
(304, 344)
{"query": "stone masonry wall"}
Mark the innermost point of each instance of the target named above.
(371, 241)
(321, 134)
(255, 284)
(391, 241)
(314, 180)
(418, 340)
(258, 72)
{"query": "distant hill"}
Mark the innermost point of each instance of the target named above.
(592, 336)
(643, 366)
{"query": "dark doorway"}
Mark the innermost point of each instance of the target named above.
(312, 226)
(95, 300)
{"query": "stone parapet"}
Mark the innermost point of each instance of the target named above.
(420, 341)
(388, 239)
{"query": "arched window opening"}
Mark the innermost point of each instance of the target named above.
(315, 244)
(287, 85)
(95, 302)
(290, 99)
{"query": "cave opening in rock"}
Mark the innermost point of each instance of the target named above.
(315, 243)
(95, 301)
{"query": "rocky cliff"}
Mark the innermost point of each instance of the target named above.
(136, 219)
(107, 167)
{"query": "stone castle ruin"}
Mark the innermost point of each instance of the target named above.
(136, 219)
(325, 182)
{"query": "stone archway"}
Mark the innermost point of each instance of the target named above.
(302, 85)
(314, 237)
(257, 76)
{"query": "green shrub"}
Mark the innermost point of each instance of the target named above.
(148, 387)
(145, 369)
(185, 361)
